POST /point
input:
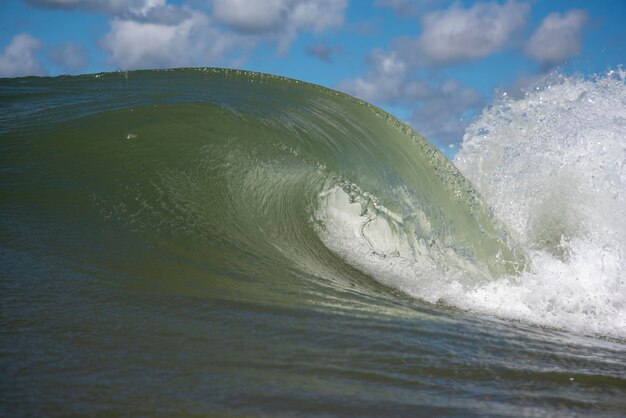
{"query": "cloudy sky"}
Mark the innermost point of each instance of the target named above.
(432, 63)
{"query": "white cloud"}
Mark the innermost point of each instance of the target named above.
(317, 15)
(251, 15)
(19, 59)
(145, 34)
(135, 44)
(558, 38)
(197, 38)
(457, 34)
(71, 57)
(155, 34)
(242, 16)
(442, 115)
(437, 110)
(279, 21)
(157, 11)
(277, 15)
(385, 83)
(106, 6)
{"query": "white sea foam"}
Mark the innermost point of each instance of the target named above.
(552, 166)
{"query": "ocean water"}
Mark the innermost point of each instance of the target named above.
(206, 242)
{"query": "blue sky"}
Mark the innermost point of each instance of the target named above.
(433, 63)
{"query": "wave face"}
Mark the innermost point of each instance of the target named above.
(218, 242)
(552, 166)
(268, 166)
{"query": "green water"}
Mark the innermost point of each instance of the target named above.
(167, 249)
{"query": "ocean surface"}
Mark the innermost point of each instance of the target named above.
(208, 242)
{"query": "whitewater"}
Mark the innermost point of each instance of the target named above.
(551, 166)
